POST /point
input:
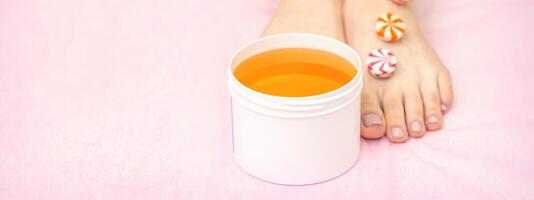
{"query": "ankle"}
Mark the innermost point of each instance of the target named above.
(323, 17)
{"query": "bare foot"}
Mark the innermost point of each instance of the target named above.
(413, 100)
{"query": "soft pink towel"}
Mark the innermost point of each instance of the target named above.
(127, 99)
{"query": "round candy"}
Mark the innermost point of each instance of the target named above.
(381, 63)
(390, 27)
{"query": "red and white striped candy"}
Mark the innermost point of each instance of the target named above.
(390, 27)
(381, 63)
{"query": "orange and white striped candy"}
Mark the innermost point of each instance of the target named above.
(390, 27)
(381, 63)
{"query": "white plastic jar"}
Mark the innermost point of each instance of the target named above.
(296, 140)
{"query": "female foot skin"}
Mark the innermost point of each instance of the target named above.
(414, 99)
(308, 16)
(402, 106)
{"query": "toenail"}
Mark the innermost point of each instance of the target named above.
(416, 126)
(444, 107)
(432, 119)
(371, 120)
(397, 132)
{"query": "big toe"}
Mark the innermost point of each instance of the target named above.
(372, 117)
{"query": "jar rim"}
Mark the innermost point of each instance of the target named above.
(312, 104)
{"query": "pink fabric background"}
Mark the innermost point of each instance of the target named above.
(126, 99)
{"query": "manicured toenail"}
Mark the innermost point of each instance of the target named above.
(371, 120)
(397, 132)
(416, 126)
(444, 107)
(432, 119)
